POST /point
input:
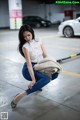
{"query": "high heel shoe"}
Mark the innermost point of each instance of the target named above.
(13, 104)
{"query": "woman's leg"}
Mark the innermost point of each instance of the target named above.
(17, 99)
(25, 72)
(19, 96)
(41, 80)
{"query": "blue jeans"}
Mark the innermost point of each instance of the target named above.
(41, 78)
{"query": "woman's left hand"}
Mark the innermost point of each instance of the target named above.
(31, 84)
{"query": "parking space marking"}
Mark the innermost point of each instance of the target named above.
(71, 73)
(11, 59)
(63, 72)
(53, 46)
(63, 47)
(56, 36)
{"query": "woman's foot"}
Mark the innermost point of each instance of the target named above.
(40, 89)
(13, 104)
(17, 98)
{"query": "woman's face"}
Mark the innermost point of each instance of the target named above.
(27, 36)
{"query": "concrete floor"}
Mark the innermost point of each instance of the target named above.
(60, 99)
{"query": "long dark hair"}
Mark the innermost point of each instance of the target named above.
(22, 41)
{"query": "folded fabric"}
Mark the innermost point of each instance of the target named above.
(48, 65)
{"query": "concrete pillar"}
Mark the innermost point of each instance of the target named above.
(15, 13)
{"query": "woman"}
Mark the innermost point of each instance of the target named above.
(33, 51)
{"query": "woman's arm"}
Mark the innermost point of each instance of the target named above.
(44, 53)
(29, 65)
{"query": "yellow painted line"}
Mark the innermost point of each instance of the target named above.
(9, 43)
(2, 46)
(71, 73)
(63, 72)
(63, 47)
(49, 36)
(56, 36)
(13, 60)
(60, 47)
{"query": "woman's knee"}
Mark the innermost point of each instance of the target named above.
(26, 74)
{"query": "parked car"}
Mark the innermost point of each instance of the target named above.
(70, 28)
(36, 21)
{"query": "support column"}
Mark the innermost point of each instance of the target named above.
(15, 13)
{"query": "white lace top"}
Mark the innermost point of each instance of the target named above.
(35, 51)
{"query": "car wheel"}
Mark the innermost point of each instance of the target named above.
(38, 25)
(68, 32)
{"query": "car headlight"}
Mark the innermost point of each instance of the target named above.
(43, 22)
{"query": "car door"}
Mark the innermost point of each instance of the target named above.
(26, 20)
(77, 27)
(32, 21)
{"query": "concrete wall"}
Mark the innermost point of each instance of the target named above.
(4, 13)
(30, 7)
(49, 11)
(54, 13)
(33, 7)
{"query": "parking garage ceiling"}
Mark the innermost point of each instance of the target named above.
(54, 1)
(47, 1)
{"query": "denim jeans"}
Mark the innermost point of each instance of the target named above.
(41, 78)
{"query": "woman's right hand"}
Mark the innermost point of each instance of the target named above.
(31, 84)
